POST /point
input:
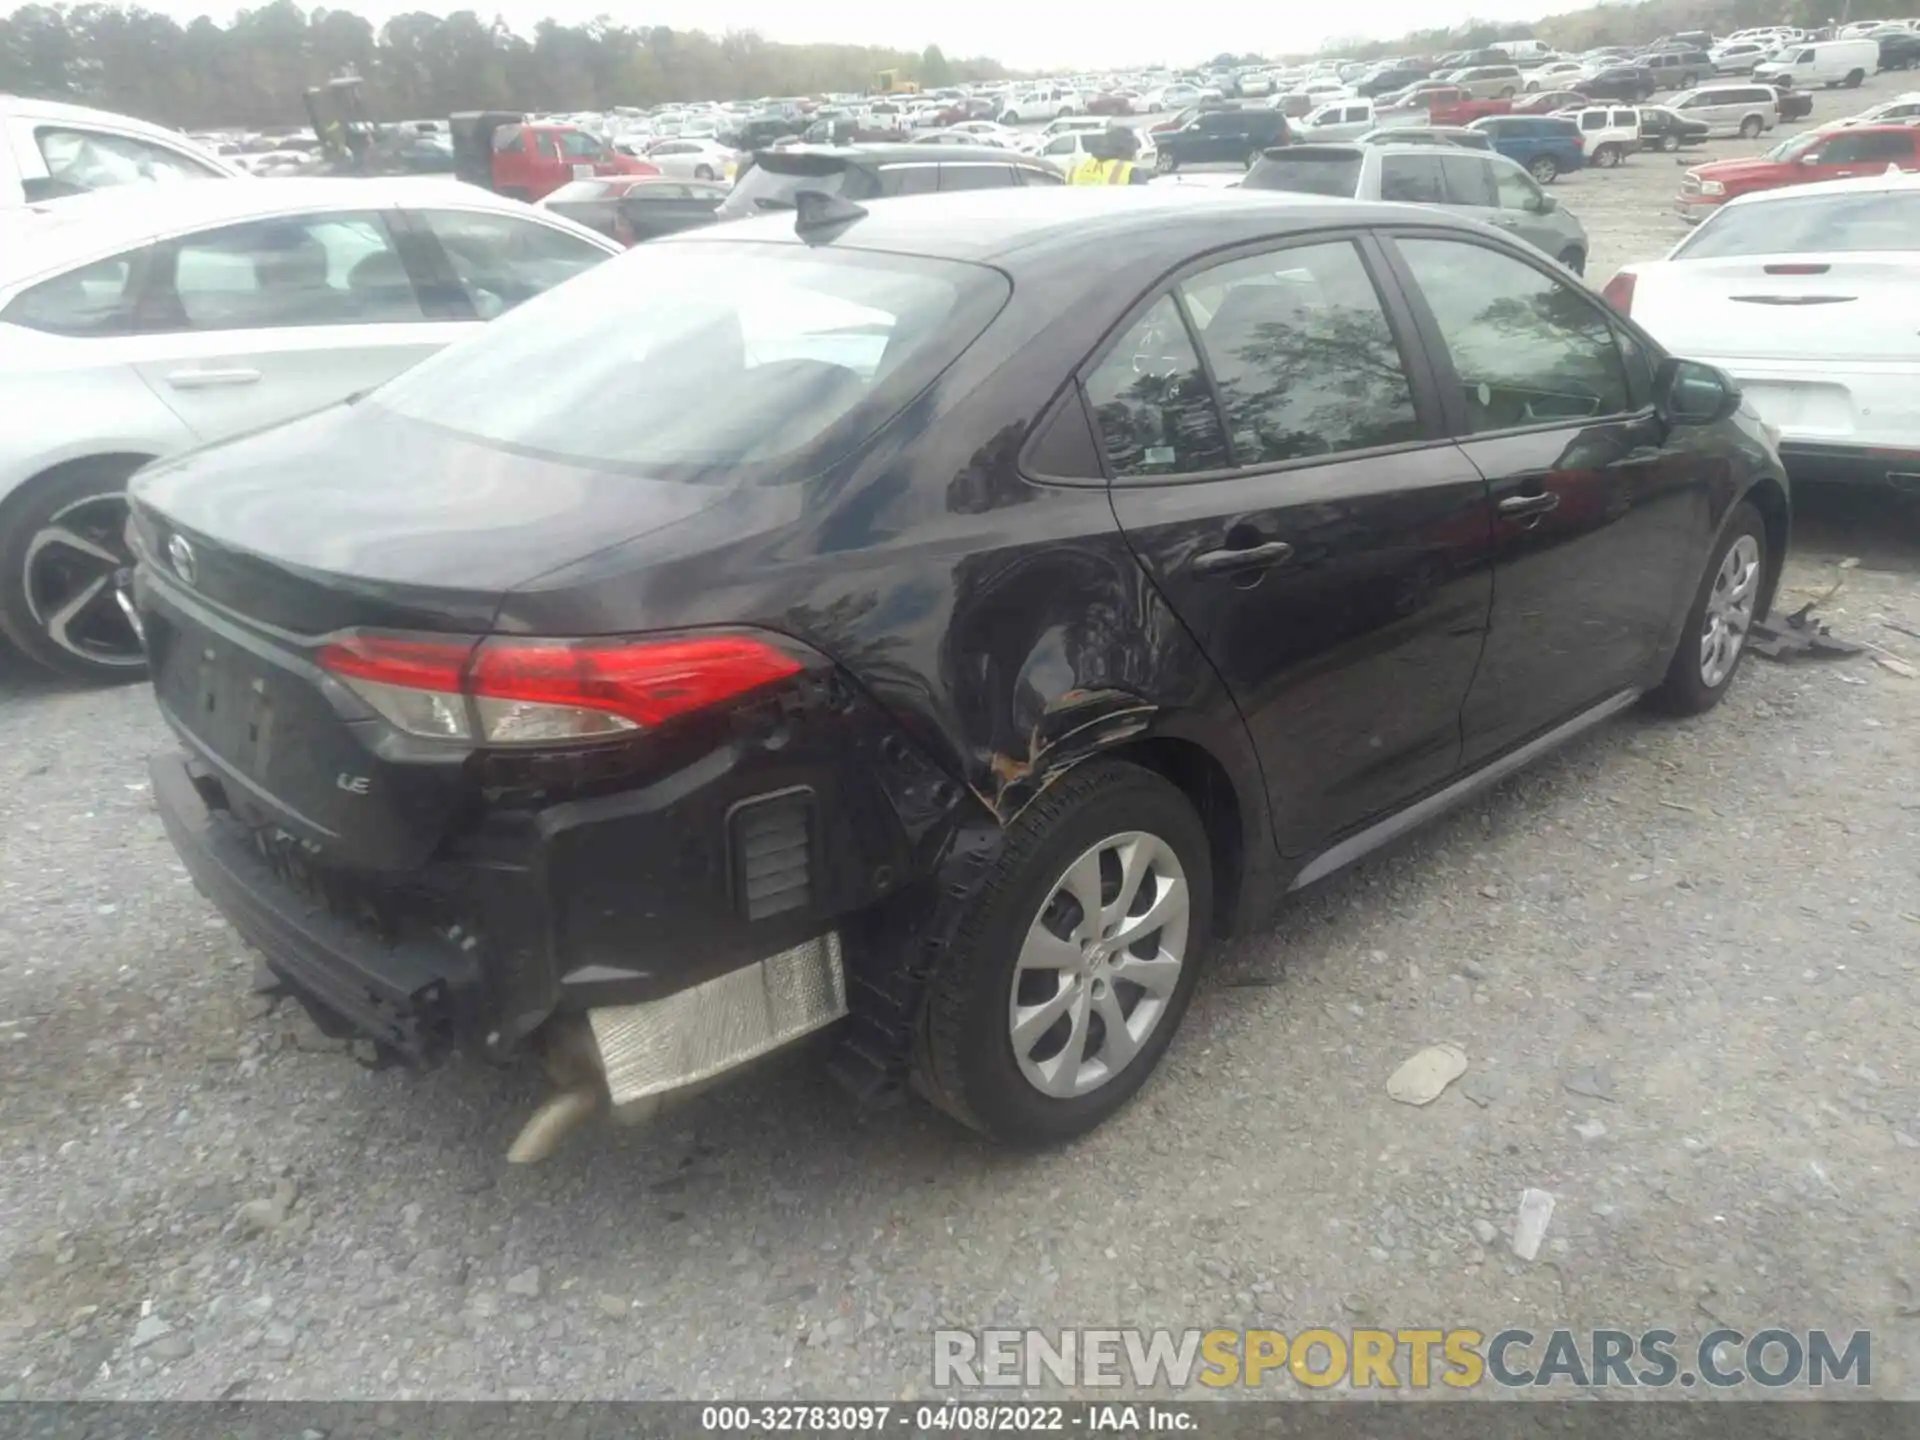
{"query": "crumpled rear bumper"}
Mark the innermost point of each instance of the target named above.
(416, 995)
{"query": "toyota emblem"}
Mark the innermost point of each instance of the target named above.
(180, 553)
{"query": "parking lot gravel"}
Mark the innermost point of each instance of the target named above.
(1679, 957)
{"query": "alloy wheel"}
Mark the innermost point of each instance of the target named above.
(1729, 614)
(1099, 965)
(77, 565)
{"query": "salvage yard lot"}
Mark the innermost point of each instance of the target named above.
(1715, 925)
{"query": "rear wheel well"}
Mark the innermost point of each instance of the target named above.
(120, 465)
(1771, 501)
(1209, 789)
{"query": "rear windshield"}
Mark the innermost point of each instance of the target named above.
(1809, 224)
(771, 182)
(1323, 172)
(710, 362)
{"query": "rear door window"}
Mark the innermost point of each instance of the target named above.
(1152, 404)
(329, 269)
(1412, 179)
(1302, 355)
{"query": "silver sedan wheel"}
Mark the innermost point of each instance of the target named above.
(1729, 611)
(76, 570)
(1099, 965)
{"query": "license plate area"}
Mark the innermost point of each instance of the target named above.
(222, 695)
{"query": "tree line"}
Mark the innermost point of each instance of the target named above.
(253, 72)
(1639, 23)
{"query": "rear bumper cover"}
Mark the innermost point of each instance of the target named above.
(413, 995)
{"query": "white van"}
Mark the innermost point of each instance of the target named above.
(1824, 62)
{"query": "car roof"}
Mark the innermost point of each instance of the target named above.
(58, 111)
(38, 238)
(1013, 225)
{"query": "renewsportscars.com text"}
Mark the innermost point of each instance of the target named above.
(1415, 1359)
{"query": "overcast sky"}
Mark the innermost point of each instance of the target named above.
(1022, 33)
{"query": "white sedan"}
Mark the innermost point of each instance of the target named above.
(142, 321)
(1555, 75)
(1810, 297)
(688, 159)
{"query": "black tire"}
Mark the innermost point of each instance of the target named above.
(1253, 157)
(1855, 79)
(1009, 118)
(1507, 94)
(1751, 127)
(1669, 143)
(703, 172)
(1544, 168)
(1689, 80)
(966, 1063)
(1575, 259)
(1166, 162)
(1607, 156)
(84, 496)
(1684, 691)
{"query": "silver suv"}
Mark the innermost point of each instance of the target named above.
(1490, 82)
(1489, 188)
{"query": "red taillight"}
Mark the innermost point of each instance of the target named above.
(1619, 292)
(506, 690)
(415, 664)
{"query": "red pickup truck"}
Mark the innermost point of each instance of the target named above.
(529, 161)
(1456, 107)
(1838, 154)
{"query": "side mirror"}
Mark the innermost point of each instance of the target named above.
(1688, 392)
(1546, 205)
(1809, 159)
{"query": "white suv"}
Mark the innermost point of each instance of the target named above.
(48, 150)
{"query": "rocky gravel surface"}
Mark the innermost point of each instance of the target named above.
(1680, 960)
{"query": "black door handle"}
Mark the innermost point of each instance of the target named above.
(1232, 562)
(1528, 504)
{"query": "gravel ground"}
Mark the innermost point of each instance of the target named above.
(200, 1196)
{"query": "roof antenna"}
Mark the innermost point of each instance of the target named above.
(819, 217)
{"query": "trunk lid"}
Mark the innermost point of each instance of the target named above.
(1822, 307)
(254, 551)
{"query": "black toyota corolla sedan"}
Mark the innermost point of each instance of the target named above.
(939, 620)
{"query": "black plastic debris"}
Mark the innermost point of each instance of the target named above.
(1799, 634)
